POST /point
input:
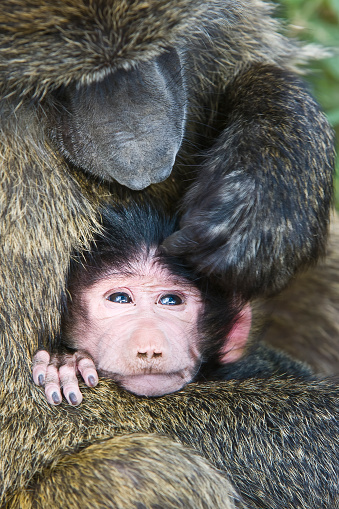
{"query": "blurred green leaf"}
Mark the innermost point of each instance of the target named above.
(335, 6)
(333, 117)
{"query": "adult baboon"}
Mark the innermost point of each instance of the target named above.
(96, 92)
(211, 85)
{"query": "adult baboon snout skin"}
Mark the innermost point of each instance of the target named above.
(127, 127)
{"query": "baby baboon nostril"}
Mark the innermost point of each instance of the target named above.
(149, 355)
(142, 355)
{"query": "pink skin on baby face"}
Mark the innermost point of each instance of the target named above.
(141, 329)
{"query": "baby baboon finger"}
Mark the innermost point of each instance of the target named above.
(52, 385)
(40, 363)
(69, 381)
(88, 371)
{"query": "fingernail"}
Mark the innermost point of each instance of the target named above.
(41, 379)
(55, 398)
(73, 398)
(92, 381)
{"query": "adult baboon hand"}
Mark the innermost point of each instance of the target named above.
(228, 240)
(58, 373)
(231, 234)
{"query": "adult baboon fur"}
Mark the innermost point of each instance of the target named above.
(266, 160)
(303, 320)
(131, 471)
(254, 186)
(276, 439)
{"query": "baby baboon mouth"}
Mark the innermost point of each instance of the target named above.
(153, 384)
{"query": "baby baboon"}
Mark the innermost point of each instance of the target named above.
(147, 320)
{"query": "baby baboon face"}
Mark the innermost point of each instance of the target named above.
(140, 329)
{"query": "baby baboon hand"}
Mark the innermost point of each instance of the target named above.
(58, 373)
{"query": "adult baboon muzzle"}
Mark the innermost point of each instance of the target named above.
(128, 126)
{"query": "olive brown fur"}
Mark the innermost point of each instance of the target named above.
(276, 439)
(131, 471)
(303, 320)
(253, 180)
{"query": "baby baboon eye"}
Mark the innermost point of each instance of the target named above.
(170, 299)
(120, 298)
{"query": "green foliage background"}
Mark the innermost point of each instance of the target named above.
(317, 21)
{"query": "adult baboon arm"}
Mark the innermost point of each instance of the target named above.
(277, 440)
(130, 471)
(253, 216)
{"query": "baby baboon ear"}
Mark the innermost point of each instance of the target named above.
(236, 340)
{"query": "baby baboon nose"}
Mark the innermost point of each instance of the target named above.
(149, 354)
(148, 344)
